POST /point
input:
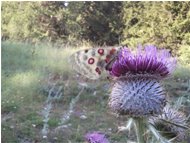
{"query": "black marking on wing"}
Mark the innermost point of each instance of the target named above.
(110, 64)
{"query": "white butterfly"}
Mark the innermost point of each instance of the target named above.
(94, 63)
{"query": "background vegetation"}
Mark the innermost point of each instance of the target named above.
(40, 93)
(166, 24)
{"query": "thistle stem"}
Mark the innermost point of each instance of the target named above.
(140, 129)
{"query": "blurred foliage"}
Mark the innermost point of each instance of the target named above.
(184, 55)
(33, 21)
(165, 24)
(102, 22)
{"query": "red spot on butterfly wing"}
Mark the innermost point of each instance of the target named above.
(112, 51)
(98, 70)
(91, 61)
(101, 51)
(107, 58)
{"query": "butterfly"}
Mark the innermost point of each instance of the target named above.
(94, 63)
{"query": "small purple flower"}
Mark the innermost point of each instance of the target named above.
(96, 137)
(151, 61)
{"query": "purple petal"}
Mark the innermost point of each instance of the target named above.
(150, 61)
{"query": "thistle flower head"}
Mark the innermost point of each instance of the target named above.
(137, 91)
(171, 124)
(137, 97)
(151, 61)
(96, 137)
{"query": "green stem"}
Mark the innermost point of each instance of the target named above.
(140, 129)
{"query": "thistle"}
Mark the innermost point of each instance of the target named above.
(171, 124)
(137, 91)
(96, 137)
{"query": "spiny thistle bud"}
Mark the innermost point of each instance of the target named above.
(137, 97)
(96, 137)
(137, 91)
(171, 124)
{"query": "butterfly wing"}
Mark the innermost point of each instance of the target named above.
(92, 63)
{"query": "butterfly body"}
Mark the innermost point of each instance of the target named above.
(93, 63)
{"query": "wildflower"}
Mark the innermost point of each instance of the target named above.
(96, 137)
(137, 91)
(171, 124)
(150, 62)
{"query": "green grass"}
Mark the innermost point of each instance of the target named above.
(24, 69)
(25, 72)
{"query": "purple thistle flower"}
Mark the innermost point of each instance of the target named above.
(96, 137)
(151, 61)
(171, 130)
(137, 91)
